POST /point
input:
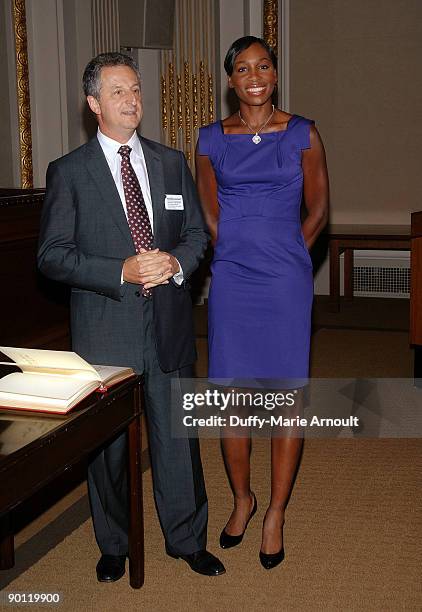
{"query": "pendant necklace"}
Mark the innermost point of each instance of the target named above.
(256, 138)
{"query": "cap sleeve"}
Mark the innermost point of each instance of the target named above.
(303, 133)
(204, 140)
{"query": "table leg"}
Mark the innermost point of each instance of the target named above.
(417, 367)
(7, 548)
(334, 276)
(348, 274)
(136, 525)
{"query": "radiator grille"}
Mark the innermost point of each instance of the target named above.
(393, 281)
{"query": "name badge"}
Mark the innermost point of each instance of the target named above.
(174, 202)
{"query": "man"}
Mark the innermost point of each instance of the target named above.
(122, 225)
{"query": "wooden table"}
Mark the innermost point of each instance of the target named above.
(346, 238)
(34, 449)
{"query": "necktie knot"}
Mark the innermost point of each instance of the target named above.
(124, 151)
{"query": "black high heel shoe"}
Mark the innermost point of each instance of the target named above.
(271, 560)
(268, 561)
(228, 541)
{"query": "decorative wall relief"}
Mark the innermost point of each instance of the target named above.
(271, 23)
(187, 76)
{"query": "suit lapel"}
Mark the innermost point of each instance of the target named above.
(100, 172)
(156, 183)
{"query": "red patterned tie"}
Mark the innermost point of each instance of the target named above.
(137, 214)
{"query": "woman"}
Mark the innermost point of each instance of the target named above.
(252, 170)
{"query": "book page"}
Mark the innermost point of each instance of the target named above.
(112, 374)
(31, 389)
(53, 362)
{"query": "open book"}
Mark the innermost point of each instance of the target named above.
(53, 381)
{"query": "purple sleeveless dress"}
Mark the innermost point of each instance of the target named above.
(261, 290)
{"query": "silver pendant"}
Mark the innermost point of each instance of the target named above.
(256, 139)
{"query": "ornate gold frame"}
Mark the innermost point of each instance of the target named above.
(271, 23)
(22, 83)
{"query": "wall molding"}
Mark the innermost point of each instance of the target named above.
(284, 60)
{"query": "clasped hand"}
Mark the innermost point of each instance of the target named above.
(150, 268)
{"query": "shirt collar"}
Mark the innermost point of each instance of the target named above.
(111, 147)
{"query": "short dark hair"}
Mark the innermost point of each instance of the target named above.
(240, 45)
(91, 80)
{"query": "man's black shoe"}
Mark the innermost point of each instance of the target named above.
(201, 562)
(111, 568)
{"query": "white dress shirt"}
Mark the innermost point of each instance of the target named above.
(110, 149)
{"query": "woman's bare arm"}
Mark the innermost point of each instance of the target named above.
(315, 189)
(207, 189)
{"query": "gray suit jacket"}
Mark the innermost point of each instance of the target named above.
(85, 238)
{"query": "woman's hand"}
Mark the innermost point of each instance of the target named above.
(315, 188)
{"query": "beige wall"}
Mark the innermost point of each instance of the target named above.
(9, 154)
(60, 45)
(149, 65)
(47, 84)
(6, 154)
(235, 18)
(77, 52)
(355, 67)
